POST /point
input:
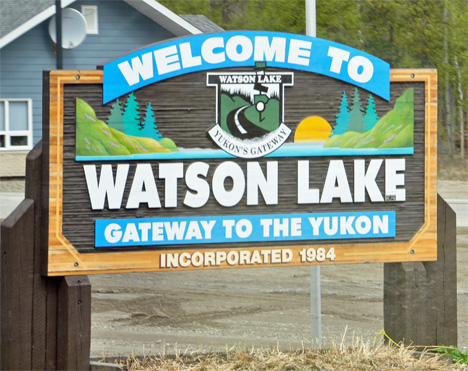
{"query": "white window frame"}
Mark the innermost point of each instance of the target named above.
(93, 12)
(8, 133)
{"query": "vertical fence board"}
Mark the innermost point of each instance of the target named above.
(51, 324)
(16, 287)
(33, 192)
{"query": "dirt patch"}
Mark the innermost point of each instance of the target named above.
(450, 189)
(264, 307)
(8, 185)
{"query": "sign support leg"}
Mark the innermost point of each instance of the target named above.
(420, 298)
(315, 306)
(45, 322)
(315, 289)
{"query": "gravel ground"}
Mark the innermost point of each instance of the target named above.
(12, 185)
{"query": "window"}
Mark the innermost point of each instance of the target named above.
(15, 124)
(90, 12)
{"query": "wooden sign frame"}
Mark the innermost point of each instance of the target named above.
(64, 259)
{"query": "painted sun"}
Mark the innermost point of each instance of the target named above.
(313, 129)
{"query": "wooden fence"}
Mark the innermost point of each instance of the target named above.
(45, 321)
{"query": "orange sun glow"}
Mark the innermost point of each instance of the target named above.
(312, 129)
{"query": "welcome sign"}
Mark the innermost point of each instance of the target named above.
(240, 149)
(239, 49)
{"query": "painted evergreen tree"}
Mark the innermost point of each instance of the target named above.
(132, 116)
(356, 119)
(116, 120)
(150, 130)
(371, 118)
(342, 118)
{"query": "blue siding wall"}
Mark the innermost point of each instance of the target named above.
(121, 29)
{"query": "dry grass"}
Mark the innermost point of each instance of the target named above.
(452, 168)
(358, 356)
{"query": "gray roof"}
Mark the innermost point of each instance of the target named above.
(18, 16)
(201, 22)
(14, 13)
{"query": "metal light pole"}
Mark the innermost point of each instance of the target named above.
(311, 19)
(315, 290)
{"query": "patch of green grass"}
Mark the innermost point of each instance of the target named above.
(458, 355)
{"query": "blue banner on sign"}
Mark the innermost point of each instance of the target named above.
(244, 228)
(243, 49)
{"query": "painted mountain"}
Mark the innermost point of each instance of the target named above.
(394, 130)
(95, 138)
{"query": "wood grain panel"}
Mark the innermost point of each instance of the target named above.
(71, 222)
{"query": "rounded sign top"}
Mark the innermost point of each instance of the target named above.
(184, 55)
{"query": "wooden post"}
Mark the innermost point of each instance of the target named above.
(404, 302)
(74, 323)
(442, 279)
(44, 297)
(420, 299)
(33, 308)
(17, 288)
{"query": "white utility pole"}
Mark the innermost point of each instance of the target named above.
(315, 290)
(311, 19)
